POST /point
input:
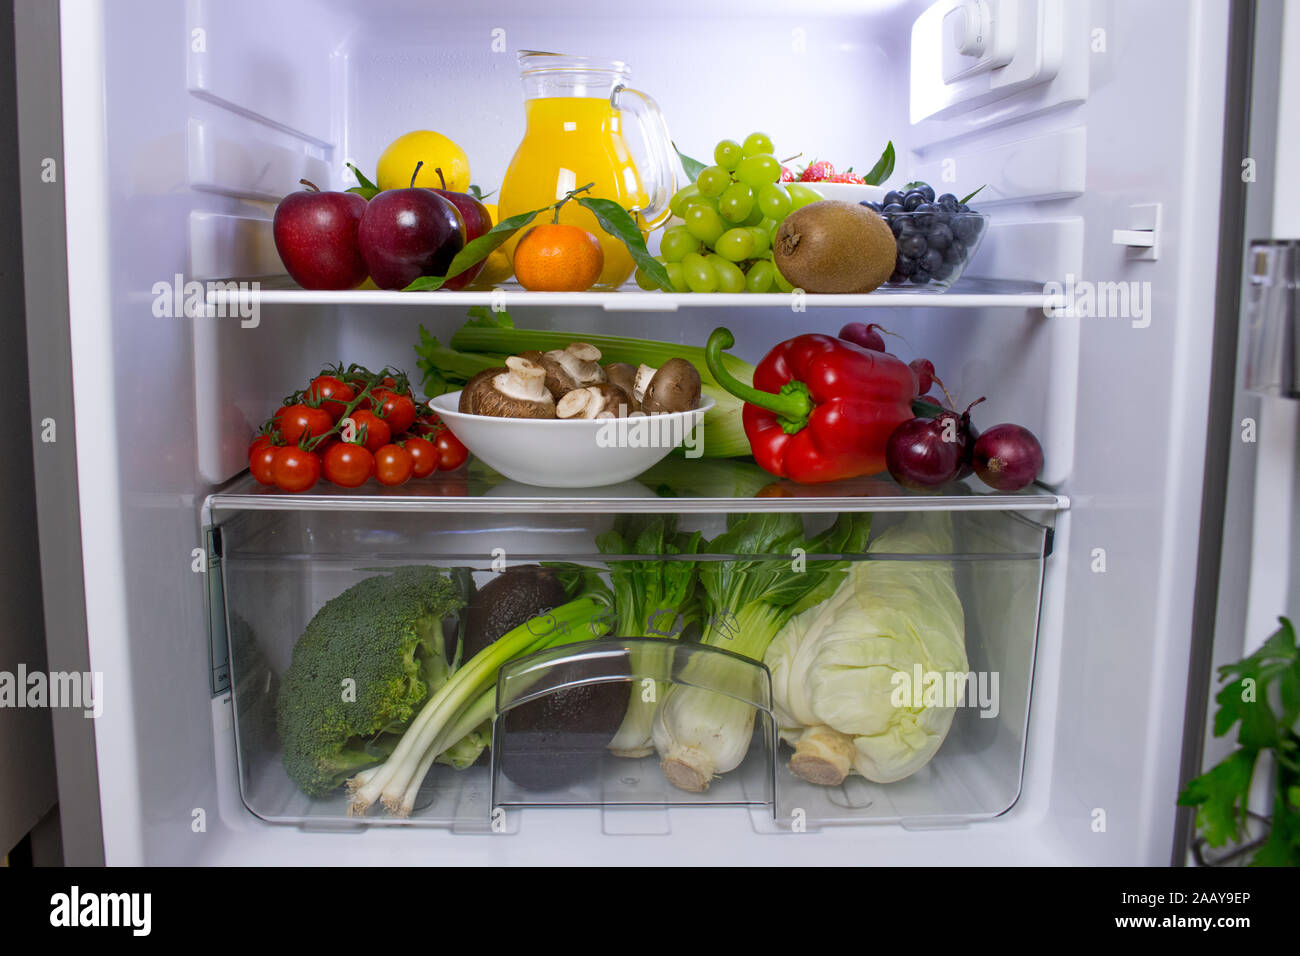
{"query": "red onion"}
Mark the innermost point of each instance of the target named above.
(859, 333)
(918, 456)
(1007, 457)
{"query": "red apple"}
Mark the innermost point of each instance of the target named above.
(477, 222)
(408, 233)
(316, 236)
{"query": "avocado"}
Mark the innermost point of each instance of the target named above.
(507, 601)
(556, 740)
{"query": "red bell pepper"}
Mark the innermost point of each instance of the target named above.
(821, 408)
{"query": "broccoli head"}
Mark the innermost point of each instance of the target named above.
(361, 670)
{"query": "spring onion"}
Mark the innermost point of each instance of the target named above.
(464, 702)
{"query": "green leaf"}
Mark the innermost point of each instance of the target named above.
(367, 190)
(476, 251)
(884, 167)
(693, 167)
(971, 196)
(478, 193)
(616, 221)
(913, 184)
(1218, 792)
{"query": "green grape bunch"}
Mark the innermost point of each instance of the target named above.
(730, 216)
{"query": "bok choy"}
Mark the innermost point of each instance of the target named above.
(748, 595)
(652, 598)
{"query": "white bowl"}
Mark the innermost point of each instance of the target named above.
(848, 192)
(562, 453)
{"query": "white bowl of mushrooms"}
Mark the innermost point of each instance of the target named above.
(560, 419)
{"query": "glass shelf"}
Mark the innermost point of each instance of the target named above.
(966, 294)
(715, 486)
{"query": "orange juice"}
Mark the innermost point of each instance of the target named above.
(569, 142)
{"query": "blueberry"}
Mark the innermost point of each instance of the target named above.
(931, 261)
(873, 206)
(955, 253)
(939, 236)
(941, 214)
(912, 200)
(944, 270)
(962, 207)
(948, 201)
(905, 266)
(893, 196)
(895, 224)
(920, 277)
(896, 278)
(892, 207)
(928, 190)
(912, 245)
(925, 215)
(965, 228)
(908, 225)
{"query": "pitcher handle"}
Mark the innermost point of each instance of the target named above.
(662, 152)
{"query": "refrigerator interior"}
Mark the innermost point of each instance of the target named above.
(244, 98)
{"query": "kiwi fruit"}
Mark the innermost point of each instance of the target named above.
(835, 247)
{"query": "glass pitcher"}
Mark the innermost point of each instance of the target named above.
(575, 107)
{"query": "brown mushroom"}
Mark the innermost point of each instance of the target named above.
(624, 376)
(594, 401)
(673, 387)
(516, 391)
(576, 366)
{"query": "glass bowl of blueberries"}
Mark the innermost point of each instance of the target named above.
(936, 236)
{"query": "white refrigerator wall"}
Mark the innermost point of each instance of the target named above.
(183, 123)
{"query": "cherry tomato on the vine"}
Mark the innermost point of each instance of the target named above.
(334, 395)
(398, 410)
(261, 454)
(295, 470)
(424, 456)
(378, 434)
(392, 465)
(451, 453)
(348, 465)
(300, 419)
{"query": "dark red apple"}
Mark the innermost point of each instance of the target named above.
(408, 233)
(316, 237)
(477, 222)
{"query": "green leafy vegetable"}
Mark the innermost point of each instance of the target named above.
(748, 596)
(884, 167)
(616, 221)
(654, 598)
(1222, 793)
(835, 666)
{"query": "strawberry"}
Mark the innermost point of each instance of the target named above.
(786, 175)
(817, 172)
(848, 176)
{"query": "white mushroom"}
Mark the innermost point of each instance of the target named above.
(576, 366)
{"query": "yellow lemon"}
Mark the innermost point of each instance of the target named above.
(497, 267)
(398, 162)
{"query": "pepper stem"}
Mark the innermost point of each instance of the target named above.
(793, 405)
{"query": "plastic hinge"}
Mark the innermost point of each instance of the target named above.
(218, 645)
